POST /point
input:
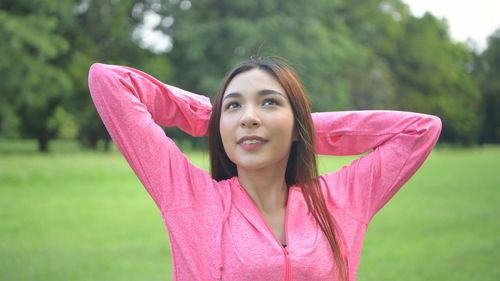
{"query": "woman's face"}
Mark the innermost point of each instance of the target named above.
(257, 122)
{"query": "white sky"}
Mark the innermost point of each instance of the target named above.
(467, 19)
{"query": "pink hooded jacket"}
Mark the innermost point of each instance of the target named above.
(216, 232)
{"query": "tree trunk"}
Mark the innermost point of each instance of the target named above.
(107, 144)
(43, 144)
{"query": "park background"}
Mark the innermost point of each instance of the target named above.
(71, 208)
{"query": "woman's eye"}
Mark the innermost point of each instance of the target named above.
(270, 102)
(232, 105)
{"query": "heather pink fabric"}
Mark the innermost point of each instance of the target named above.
(215, 230)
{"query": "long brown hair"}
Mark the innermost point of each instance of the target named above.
(301, 168)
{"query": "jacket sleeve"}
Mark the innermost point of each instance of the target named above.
(132, 105)
(398, 142)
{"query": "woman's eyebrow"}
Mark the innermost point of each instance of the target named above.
(269, 92)
(232, 95)
(261, 93)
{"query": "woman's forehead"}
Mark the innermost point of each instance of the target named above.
(252, 82)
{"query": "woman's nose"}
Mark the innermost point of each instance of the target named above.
(250, 118)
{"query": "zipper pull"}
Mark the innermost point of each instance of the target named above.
(219, 272)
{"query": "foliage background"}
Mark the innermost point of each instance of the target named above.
(371, 54)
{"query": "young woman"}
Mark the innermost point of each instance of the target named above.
(264, 213)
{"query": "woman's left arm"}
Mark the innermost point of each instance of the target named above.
(401, 141)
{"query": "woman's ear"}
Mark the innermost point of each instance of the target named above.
(295, 135)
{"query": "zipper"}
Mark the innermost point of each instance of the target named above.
(287, 265)
(287, 256)
(284, 249)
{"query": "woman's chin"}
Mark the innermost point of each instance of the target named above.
(259, 164)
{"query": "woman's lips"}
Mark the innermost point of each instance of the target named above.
(251, 142)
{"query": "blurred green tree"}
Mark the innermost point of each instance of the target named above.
(51, 45)
(376, 25)
(102, 31)
(412, 64)
(31, 86)
(434, 77)
(487, 75)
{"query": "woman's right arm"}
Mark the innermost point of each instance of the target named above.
(132, 105)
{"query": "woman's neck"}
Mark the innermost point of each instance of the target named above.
(267, 187)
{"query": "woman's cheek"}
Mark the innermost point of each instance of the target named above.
(227, 134)
(223, 127)
(284, 124)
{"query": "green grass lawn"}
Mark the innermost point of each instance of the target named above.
(85, 216)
